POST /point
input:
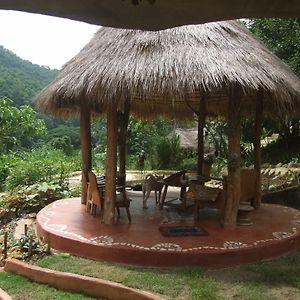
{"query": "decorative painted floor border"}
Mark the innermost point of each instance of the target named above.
(108, 241)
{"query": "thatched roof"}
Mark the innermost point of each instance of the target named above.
(160, 72)
(156, 14)
(188, 137)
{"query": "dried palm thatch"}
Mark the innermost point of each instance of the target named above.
(167, 72)
(188, 137)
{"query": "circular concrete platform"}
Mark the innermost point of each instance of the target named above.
(68, 227)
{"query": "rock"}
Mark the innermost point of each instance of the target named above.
(32, 215)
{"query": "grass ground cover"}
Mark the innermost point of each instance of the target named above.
(269, 280)
(276, 279)
(20, 288)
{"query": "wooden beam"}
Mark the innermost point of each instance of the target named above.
(234, 158)
(111, 166)
(257, 147)
(86, 152)
(123, 121)
(201, 125)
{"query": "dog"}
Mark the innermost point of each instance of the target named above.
(151, 184)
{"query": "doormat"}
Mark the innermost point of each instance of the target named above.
(182, 230)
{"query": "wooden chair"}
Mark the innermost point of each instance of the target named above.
(123, 201)
(248, 179)
(96, 192)
(205, 196)
(94, 197)
(176, 180)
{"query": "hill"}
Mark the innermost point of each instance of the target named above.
(20, 79)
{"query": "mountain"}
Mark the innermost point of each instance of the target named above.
(20, 80)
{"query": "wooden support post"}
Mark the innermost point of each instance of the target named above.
(257, 148)
(30, 246)
(201, 125)
(48, 248)
(123, 119)
(86, 152)
(5, 245)
(111, 165)
(234, 159)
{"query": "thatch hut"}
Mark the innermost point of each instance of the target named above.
(212, 69)
(172, 68)
(187, 137)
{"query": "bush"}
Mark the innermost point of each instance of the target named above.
(282, 151)
(62, 143)
(164, 153)
(168, 152)
(189, 164)
(6, 162)
(30, 199)
(40, 165)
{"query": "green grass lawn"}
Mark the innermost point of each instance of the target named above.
(21, 288)
(270, 280)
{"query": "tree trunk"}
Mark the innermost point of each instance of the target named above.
(123, 119)
(111, 165)
(234, 159)
(201, 125)
(257, 147)
(86, 156)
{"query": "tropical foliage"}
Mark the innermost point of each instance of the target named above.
(282, 37)
(18, 126)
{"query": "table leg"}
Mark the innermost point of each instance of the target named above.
(164, 194)
(183, 196)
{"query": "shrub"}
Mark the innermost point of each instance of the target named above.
(32, 198)
(62, 143)
(189, 164)
(40, 165)
(6, 162)
(168, 152)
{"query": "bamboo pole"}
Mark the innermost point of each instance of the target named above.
(86, 152)
(111, 166)
(234, 159)
(201, 125)
(257, 148)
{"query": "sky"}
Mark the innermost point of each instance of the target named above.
(43, 40)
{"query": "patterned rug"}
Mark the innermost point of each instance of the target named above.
(181, 230)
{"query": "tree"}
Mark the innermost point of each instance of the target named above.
(18, 126)
(282, 36)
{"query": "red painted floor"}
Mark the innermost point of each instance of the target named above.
(65, 223)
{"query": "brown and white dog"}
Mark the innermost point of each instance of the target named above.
(151, 184)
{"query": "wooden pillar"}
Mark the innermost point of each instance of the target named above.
(257, 147)
(123, 121)
(234, 159)
(86, 152)
(111, 166)
(201, 125)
